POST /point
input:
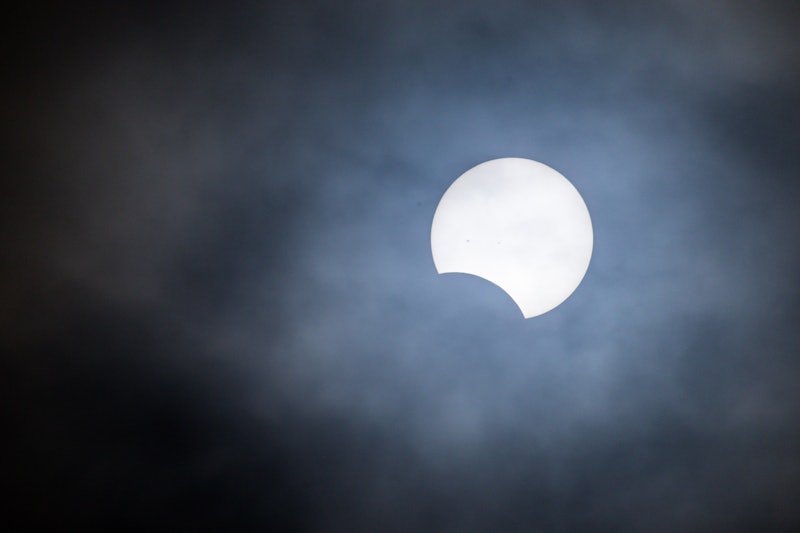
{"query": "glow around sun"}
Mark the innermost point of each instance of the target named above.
(518, 224)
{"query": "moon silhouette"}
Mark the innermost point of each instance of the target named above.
(518, 224)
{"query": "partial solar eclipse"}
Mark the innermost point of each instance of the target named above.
(518, 224)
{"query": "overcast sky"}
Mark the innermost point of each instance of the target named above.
(219, 309)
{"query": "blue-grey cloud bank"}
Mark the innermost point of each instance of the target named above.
(220, 311)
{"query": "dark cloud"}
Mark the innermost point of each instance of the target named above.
(219, 305)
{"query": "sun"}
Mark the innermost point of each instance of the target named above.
(518, 224)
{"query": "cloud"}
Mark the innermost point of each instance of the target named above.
(227, 245)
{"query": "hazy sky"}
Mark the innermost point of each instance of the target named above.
(219, 309)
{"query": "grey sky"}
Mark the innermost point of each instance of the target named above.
(220, 304)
